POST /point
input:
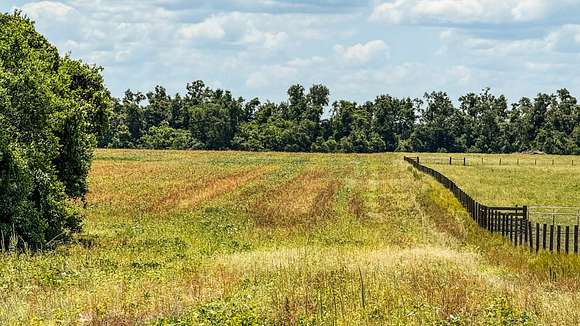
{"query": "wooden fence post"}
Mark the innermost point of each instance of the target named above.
(537, 237)
(544, 231)
(512, 228)
(487, 219)
(558, 238)
(576, 238)
(567, 246)
(517, 230)
(530, 240)
(514, 222)
(552, 238)
(522, 231)
(502, 224)
(525, 222)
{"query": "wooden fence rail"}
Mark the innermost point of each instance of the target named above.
(511, 222)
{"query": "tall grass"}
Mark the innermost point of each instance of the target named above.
(228, 238)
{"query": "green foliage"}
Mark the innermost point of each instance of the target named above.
(482, 123)
(51, 110)
(214, 119)
(231, 311)
(502, 312)
(165, 137)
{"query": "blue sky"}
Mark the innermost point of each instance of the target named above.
(359, 48)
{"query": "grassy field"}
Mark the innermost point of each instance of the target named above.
(227, 238)
(544, 180)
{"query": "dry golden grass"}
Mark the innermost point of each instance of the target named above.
(228, 238)
(305, 199)
(186, 195)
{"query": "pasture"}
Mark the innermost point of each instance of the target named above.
(218, 238)
(531, 180)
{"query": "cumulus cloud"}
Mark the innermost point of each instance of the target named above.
(362, 53)
(462, 11)
(560, 40)
(211, 28)
(47, 9)
(237, 28)
(258, 48)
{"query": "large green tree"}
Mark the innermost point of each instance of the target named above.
(52, 108)
(440, 125)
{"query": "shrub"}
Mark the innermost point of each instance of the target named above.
(165, 137)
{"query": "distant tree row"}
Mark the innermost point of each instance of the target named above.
(214, 119)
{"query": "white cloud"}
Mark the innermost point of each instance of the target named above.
(210, 28)
(308, 62)
(268, 40)
(236, 27)
(460, 74)
(565, 39)
(268, 75)
(530, 10)
(362, 53)
(545, 67)
(259, 48)
(461, 11)
(47, 9)
(561, 40)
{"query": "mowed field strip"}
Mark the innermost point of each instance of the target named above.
(218, 238)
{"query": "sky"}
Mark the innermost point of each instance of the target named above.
(358, 48)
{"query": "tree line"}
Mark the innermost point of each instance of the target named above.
(214, 119)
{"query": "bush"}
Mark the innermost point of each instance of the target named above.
(51, 110)
(165, 137)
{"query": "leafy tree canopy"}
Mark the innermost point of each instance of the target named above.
(52, 109)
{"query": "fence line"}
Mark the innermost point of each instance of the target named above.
(511, 222)
(472, 161)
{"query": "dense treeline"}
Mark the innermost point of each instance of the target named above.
(214, 119)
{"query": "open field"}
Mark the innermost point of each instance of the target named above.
(217, 238)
